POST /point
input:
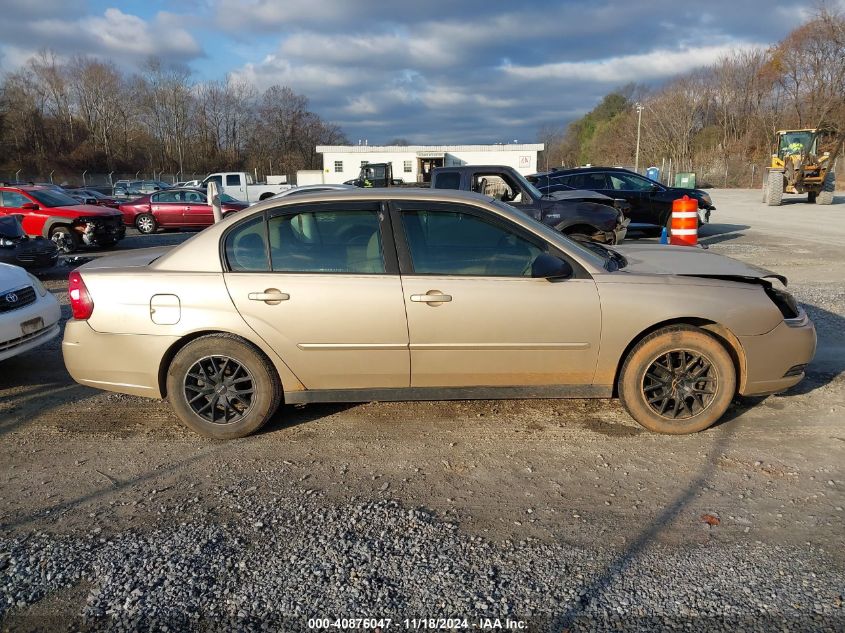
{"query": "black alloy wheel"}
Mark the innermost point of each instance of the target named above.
(219, 389)
(680, 384)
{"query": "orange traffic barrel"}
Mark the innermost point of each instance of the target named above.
(684, 222)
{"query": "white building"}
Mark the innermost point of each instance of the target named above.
(413, 163)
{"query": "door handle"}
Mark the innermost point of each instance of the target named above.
(432, 296)
(271, 296)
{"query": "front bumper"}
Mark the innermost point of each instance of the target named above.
(12, 339)
(126, 363)
(99, 233)
(37, 253)
(770, 357)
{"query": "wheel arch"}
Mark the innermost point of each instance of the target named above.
(721, 333)
(579, 228)
(265, 195)
(284, 377)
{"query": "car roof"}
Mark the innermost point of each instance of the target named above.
(581, 170)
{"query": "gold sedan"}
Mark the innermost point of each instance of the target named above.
(353, 296)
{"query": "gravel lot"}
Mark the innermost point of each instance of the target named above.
(560, 514)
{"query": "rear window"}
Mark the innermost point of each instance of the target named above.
(447, 180)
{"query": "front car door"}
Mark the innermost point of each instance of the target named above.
(476, 317)
(646, 208)
(197, 211)
(32, 220)
(320, 284)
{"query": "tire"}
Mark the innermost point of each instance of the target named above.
(774, 188)
(826, 194)
(193, 370)
(636, 384)
(65, 239)
(812, 196)
(146, 224)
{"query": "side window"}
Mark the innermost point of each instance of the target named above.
(246, 247)
(193, 196)
(233, 180)
(454, 243)
(326, 242)
(448, 180)
(165, 197)
(338, 166)
(624, 182)
(14, 200)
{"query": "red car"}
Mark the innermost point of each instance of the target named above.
(63, 219)
(175, 208)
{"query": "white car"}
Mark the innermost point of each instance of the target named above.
(29, 314)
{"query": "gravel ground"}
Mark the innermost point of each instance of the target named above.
(562, 514)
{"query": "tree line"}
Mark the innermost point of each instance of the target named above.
(86, 113)
(720, 119)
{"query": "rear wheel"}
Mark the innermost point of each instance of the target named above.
(222, 387)
(146, 223)
(65, 239)
(677, 380)
(774, 188)
(826, 194)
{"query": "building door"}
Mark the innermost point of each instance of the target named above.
(425, 167)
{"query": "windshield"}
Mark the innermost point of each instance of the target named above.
(528, 186)
(92, 194)
(797, 143)
(48, 198)
(225, 197)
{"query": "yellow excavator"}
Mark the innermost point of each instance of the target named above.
(799, 167)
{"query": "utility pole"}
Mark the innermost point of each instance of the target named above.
(639, 122)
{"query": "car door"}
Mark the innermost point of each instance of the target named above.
(197, 212)
(475, 315)
(639, 192)
(319, 283)
(168, 208)
(32, 220)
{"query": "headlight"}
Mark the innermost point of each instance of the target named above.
(785, 302)
(36, 283)
(6, 242)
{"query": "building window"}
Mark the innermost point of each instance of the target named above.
(338, 166)
(408, 167)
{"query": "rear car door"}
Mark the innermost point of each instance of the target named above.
(475, 315)
(319, 283)
(168, 208)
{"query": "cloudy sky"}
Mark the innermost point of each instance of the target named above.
(457, 71)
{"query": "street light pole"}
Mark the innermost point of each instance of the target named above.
(639, 122)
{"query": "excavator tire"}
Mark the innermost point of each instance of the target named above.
(774, 188)
(826, 194)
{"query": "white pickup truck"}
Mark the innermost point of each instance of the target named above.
(240, 185)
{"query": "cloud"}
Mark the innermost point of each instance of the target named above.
(657, 64)
(114, 35)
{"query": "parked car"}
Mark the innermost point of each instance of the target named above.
(29, 314)
(304, 189)
(405, 294)
(17, 248)
(651, 202)
(585, 220)
(91, 196)
(61, 218)
(241, 186)
(175, 208)
(124, 189)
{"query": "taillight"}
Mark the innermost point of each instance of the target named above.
(80, 299)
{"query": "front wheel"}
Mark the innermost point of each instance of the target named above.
(222, 387)
(677, 380)
(65, 239)
(825, 196)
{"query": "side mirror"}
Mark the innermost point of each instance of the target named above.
(30, 206)
(547, 266)
(655, 188)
